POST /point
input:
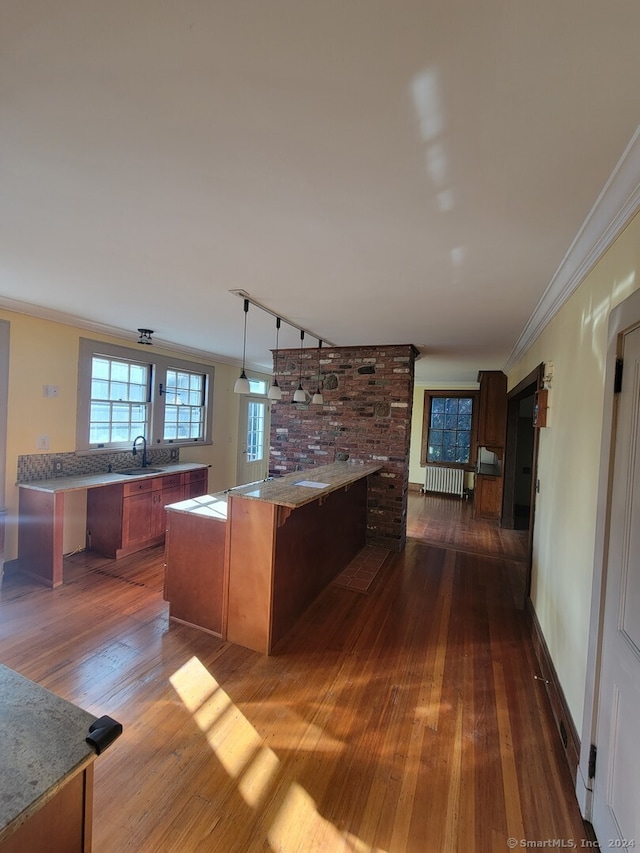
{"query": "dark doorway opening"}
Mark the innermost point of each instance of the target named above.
(521, 459)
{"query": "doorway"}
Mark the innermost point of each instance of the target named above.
(253, 443)
(4, 399)
(608, 782)
(521, 460)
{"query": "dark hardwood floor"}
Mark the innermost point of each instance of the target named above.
(405, 719)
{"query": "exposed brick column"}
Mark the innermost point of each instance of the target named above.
(368, 396)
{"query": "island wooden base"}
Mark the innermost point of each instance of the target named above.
(246, 564)
(195, 575)
(280, 560)
(62, 825)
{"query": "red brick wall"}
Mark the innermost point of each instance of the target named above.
(368, 395)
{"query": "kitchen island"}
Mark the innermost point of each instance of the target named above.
(268, 550)
(46, 783)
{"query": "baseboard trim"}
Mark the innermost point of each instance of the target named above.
(559, 707)
(415, 487)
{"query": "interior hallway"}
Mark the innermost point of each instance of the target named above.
(404, 719)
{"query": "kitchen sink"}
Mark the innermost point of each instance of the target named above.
(131, 472)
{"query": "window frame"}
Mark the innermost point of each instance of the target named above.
(158, 365)
(426, 425)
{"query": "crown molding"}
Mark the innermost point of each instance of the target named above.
(42, 313)
(614, 208)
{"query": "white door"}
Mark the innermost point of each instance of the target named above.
(616, 797)
(253, 442)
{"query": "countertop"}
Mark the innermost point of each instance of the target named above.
(42, 745)
(93, 481)
(291, 491)
(210, 506)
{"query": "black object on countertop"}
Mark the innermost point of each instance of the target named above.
(103, 732)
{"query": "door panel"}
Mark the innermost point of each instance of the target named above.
(253, 440)
(616, 817)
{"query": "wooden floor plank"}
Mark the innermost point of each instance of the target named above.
(405, 719)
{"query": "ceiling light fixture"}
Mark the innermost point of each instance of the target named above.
(242, 383)
(145, 336)
(275, 392)
(317, 398)
(300, 395)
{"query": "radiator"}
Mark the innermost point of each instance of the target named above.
(447, 480)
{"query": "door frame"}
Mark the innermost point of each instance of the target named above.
(5, 331)
(525, 388)
(242, 427)
(622, 318)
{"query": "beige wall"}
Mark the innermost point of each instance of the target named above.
(46, 353)
(564, 533)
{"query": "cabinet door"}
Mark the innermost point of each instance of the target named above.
(137, 518)
(196, 483)
(169, 490)
(492, 420)
(488, 497)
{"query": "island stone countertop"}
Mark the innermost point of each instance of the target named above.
(291, 490)
(93, 481)
(42, 745)
(303, 487)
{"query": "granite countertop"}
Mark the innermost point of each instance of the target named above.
(297, 489)
(92, 481)
(211, 506)
(42, 745)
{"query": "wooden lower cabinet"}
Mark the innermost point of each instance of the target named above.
(196, 483)
(123, 518)
(195, 570)
(488, 497)
(62, 825)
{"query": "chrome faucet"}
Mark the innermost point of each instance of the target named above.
(144, 449)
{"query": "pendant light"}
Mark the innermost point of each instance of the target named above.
(300, 396)
(317, 398)
(275, 392)
(242, 383)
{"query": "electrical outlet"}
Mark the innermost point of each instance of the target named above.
(57, 466)
(173, 454)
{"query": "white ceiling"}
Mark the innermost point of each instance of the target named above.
(378, 171)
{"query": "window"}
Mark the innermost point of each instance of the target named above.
(257, 386)
(448, 428)
(121, 396)
(184, 407)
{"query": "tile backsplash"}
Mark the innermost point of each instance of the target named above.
(42, 466)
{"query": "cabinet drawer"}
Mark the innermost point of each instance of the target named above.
(138, 486)
(196, 476)
(169, 482)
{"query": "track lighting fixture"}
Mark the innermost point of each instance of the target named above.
(317, 398)
(300, 395)
(275, 392)
(242, 383)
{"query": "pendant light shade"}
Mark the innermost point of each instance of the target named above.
(242, 383)
(318, 399)
(300, 396)
(275, 391)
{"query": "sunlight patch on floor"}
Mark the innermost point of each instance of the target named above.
(242, 753)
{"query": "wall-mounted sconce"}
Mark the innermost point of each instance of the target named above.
(300, 396)
(145, 336)
(242, 383)
(275, 391)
